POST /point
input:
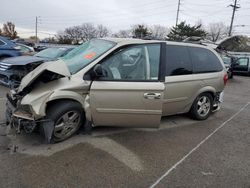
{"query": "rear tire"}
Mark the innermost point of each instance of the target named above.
(202, 107)
(68, 116)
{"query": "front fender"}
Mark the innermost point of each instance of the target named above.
(67, 95)
(39, 104)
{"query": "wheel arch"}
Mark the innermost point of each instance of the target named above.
(59, 96)
(59, 100)
(210, 90)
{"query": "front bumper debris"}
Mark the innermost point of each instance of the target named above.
(7, 79)
(19, 119)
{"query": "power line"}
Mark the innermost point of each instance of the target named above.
(118, 12)
(206, 5)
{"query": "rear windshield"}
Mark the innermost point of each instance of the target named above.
(80, 57)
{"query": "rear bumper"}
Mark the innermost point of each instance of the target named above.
(217, 100)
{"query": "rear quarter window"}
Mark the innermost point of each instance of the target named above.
(178, 61)
(204, 60)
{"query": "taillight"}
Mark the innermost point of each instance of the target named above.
(225, 78)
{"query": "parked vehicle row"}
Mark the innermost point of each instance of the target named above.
(118, 82)
(8, 48)
(237, 63)
(12, 70)
(241, 63)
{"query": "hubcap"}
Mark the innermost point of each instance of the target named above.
(203, 106)
(67, 124)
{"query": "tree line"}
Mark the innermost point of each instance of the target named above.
(86, 31)
(8, 30)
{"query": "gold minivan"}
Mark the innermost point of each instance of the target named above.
(117, 82)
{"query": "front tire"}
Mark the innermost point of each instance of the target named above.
(202, 107)
(68, 117)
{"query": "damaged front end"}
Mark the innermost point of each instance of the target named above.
(22, 116)
(19, 116)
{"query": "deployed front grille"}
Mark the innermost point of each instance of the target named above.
(4, 66)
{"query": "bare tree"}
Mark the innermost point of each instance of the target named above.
(102, 31)
(1, 31)
(88, 31)
(217, 31)
(63, 38)
(82, 33)
(123, 34)
(9, 30)
(74, 33)
(159, 32)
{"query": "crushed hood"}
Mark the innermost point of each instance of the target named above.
(57, 67)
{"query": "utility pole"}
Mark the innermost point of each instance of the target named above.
(178, 10)
(36, 30)
(235, 7)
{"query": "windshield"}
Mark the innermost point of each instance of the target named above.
(52, 53)
(80, 57)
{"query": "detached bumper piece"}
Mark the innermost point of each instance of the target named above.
(9, 79)
(23, 120)
(217, 100)
(18, 118)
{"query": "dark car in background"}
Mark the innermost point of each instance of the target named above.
(8, 48)
(12, 70)
(241, 64)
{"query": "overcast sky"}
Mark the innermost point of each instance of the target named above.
(55, 15)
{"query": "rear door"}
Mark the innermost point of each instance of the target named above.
(179, 81)
(131, 93)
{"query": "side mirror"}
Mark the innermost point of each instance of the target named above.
(99, 71)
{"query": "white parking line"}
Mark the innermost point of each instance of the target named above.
(195, 148)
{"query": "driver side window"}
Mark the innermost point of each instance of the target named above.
(140, 62)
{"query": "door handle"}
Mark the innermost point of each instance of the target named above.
(152, 95)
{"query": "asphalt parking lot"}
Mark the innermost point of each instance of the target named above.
(181, 153)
